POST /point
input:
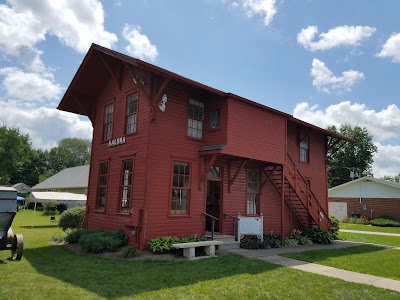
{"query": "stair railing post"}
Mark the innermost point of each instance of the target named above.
(212, 228)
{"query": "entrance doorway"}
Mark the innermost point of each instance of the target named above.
(214, 196)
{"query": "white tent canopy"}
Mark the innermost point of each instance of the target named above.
(56, 197)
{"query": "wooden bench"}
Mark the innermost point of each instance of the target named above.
(189, 248)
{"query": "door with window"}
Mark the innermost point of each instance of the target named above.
(214, 197)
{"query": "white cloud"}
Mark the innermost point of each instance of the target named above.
(325, 81)
(45, 126)
(266, 8)
(30, 86)
(75, 23)
(382, 125)
(139, 44)
(391, 48)
(386, 161)
(335, 37)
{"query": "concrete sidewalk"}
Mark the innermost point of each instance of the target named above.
(370, 232)
(272, 256)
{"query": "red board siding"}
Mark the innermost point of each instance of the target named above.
(255, 133)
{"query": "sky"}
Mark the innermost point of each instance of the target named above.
(327, 62)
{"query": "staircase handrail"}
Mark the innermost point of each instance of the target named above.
(213, 219)
(297, 174)
(235, 220)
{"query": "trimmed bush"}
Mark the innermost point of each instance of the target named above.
(335, 226)
(349, 220)
(384, 223)
(290, 242)
(362, 220)
(72, 218)
(61, 207)
(58, 237)
(319, 236)
(388, 217)
(102, 241)
(271, 240)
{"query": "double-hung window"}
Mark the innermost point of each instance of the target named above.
(180, 188)
(102, 186)
(252, 192)
(126, 185)
(304, 150)
(131, 113)
(108, 120)
(195, 119)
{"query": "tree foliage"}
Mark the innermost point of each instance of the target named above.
(19, 162)
(391, 178)
(352, 157)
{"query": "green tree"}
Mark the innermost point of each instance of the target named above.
(352, 157)
(391, 178)
(16, 154)
(70, 152)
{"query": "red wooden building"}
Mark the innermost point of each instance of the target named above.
(165, 169)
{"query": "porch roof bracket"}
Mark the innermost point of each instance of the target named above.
(137, 81)
(268, 177)
(336, 148)
(231, 181)
(118, 80)
(161, 90)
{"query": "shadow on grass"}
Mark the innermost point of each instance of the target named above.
(321, 255)
(116, 277)
(38, 226)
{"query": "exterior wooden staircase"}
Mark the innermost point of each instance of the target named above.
(299, 196)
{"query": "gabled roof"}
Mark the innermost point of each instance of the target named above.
(22, 187)
(100, 62)
(75, 177)
(366, 179)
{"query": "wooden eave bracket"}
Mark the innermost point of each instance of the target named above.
(138, 81)
(335, 146)
(78, 103)
(160, 91)
(302, 138)
(116, 76)
(268, 176)
(232, 180)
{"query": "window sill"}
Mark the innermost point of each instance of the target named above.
(213, 129)
(194, 139)
(100, 211)
(178, 216)
(123, 213)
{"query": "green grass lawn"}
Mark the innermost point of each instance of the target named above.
(53, 272)
(371, 238)
(369, 228)
(366, 259)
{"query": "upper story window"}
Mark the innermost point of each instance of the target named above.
(126, 184)
(215, 119)
(102, 186)
(304, 150)
(195, 119)
(108, 120)
(180, 188)
(131, 113)
(253, 192)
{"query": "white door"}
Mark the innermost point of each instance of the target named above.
(338, 209)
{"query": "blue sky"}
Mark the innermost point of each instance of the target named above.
(326, 62)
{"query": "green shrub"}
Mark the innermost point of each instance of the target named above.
(72, 218)
(349, 220)
(49, 209)
(73, 235)
(271, 240)
(129, 252)
(162, 243)
(251, 242)
(319, 236)
(362, 220)
(335, 226)
(387, 217)
(58, 237)
(191, 238)
(61, 207)
(384, 223)
(102, 241)
(290, 242)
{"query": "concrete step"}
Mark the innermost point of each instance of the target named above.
(228, 242)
